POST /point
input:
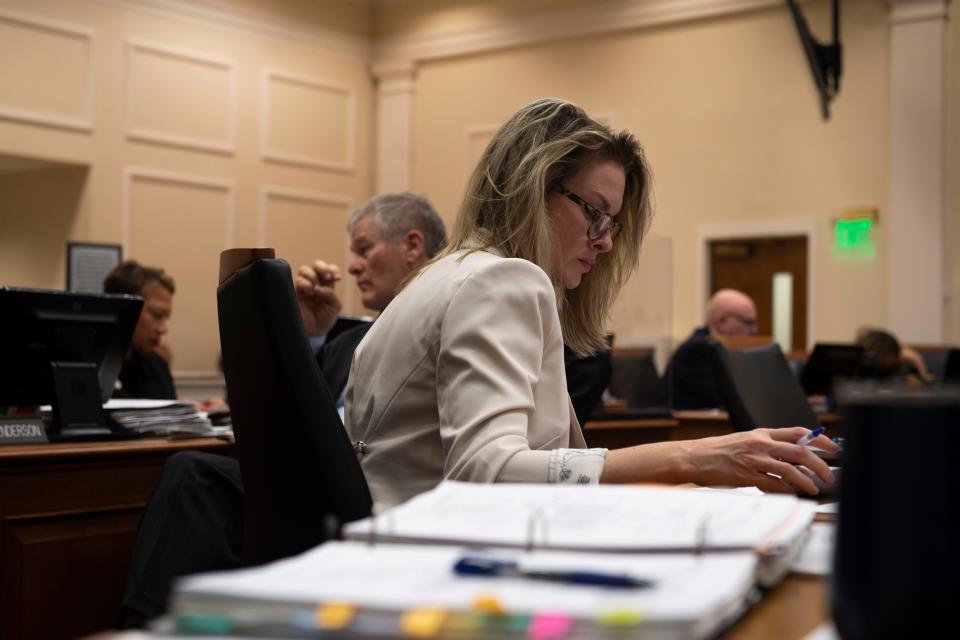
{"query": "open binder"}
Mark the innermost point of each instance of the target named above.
(693, 559)
(396, 590)
(626, 519)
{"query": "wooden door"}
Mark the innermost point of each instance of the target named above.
(749, 264)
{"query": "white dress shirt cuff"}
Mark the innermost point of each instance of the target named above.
(317, 342)
(576, 466)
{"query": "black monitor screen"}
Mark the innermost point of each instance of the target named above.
(951, 370)
(64, 349)
(827, 363)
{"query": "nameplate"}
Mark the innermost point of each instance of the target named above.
(22, 431)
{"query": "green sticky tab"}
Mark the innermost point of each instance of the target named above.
(621, 618)
(516, 623)
(203, 623)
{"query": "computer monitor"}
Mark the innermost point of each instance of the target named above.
(827, 363)
(951, 370)
(66, 350)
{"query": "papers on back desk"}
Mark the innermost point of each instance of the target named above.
(691, 597)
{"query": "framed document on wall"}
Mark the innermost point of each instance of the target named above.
(89, 263)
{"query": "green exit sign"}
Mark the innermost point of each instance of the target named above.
(854, 237)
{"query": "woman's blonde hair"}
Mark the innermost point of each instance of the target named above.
(505, 206)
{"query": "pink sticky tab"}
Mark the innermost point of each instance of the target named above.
(549, 626)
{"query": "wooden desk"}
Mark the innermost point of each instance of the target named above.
(68, 517)
(618, 433)
(684, 425)
(790, 611)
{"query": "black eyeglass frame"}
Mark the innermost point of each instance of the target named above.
(600, 222)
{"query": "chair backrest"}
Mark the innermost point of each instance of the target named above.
(759, 389)
(634, 378)
(300, 475)
(943, 362)
(951, 370)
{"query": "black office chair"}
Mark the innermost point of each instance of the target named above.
(759, 389)
(300, 475)
(635, 380)
(943, 365)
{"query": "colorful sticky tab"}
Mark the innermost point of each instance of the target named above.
(488, 603)
(549, 626)
(516, 623)
(422, 623)
(464, 623)
(203, 624)
(334, 615)
(621, 618)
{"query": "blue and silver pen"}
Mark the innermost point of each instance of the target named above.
(807, 439)
(482, 566)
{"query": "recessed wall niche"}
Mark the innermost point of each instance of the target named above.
(40, 204)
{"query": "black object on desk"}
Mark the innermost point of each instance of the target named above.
(827, 363)
(64, 349)
(897, 559)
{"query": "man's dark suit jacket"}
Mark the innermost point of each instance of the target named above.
(690, 379)
(336, 356)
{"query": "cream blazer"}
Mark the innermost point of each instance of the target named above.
(462, 378)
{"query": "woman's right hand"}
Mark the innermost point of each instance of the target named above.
(766, 458)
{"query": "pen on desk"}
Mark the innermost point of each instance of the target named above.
(481, 566)
(807, 439)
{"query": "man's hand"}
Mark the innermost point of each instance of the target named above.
(319, 304)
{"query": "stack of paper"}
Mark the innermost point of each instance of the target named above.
(352, 589)
(161, 418)
(600, 518)
(472, 560)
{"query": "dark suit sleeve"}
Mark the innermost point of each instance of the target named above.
(587, 379)
(336, 356)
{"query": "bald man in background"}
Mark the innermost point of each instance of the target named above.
(690, 381)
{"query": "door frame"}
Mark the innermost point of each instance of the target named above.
(751, 229)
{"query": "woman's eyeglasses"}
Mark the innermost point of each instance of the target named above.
(600, 222)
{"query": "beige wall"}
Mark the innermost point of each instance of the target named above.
(951, 236)
(32, 252)
(419, 18)
(729, 118)
(195, 133)
(155, 135)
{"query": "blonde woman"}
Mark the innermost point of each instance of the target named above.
(462, 376)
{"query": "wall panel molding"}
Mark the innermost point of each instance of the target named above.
(269, 191)
(81, 122)
(133, 174)
(174, 138)
(471, 136)
(348, 291)
(268, 149)
(595, 18)
(262, 24)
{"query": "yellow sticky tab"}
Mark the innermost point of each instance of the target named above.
(422, 623)
(621, 618)
(489, 604)
(335, 615)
